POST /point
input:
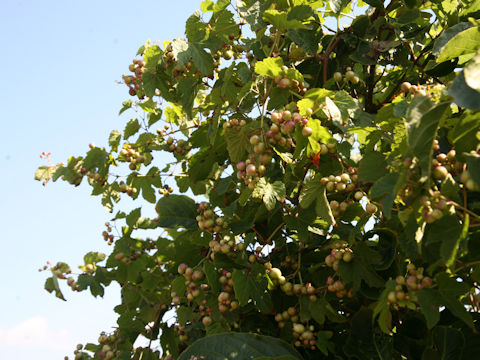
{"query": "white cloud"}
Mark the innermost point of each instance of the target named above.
(35, 332)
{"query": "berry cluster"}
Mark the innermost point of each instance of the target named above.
(407, 287)
(342, 182)
(234, 124)
(124, 188)
(107, 235)
(408, 88)
(226, 246)
(350, 76)
(433, 206)
(226, 297)
(254, 167)
(338, 287)
(193, 281)
(289, 288)
(135, 82)
(208, 220)
(284, 81)
(181, 147)
(288, 315)
(283, 127)
(165, 190)
(129, 154)
(304, 333)
(289, 262)
(342, 252)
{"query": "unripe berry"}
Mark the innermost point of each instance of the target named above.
(255, 139)
(440, 173)
(306, 131)
(284, 83)
(358, 195)
(338, 76)
(406, 86)
(349, 75)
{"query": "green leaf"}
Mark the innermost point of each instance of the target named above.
(448, 342)
(114, 139)
(308, 40)
(281, 20)
(314, 191)
(254, 12)
(206, 5)
(96, 158)
(187, 91)
(169, 340)
(338, 5)
(447, 234)
(451, 290)
(422, 124)
(384, 190)
(133, 216)
(184, 315)
(93, 257)
(463, 135)
(382, 309)
(320, 133)
(44, 173)
(233, 346)
(212, 276)
(177, 211)
(430, 302)
(252, 287)
(473, 167)
(195, 29)
(127, 104)
(270, 193)
(237, 143)
(85, 281)
(184, 51)
(51, 284)
(472, 72)
(318, 311)
(270, 67)
(463, 94)
(131, 128)
(465, 43)
(323, 344)
(371, 167)
(333, 112)
(360, 269)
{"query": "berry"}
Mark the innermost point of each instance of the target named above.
(406, 86)
(306, 131)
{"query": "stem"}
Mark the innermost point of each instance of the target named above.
(274, 232)
(466, 265)
(463, 208)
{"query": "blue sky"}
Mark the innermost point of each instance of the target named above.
(60, 61)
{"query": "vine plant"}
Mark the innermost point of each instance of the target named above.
(326, 178)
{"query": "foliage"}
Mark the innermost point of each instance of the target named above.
(325, 206)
